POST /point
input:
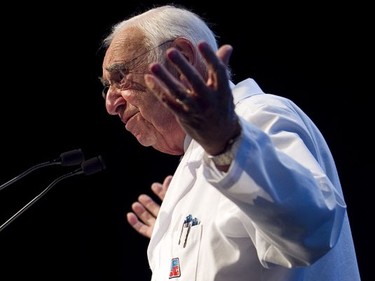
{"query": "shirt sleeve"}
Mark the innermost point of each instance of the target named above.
(283, 178)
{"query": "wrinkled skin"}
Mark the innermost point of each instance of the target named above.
(167, 102)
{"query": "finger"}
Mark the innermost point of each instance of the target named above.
(157, 86)
(160, 189)
(140, 227)
(166, 183)
(224, 53)
(142, 214)
(148, 208)
(217, 65)
(193, 77)
(157, 188)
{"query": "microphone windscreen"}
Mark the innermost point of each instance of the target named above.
(72, 157)
(93, 165)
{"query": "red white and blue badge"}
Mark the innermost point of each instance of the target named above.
(175, 268)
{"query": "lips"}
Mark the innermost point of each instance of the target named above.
(126, 117)
(128, 120)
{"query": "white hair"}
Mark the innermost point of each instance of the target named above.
(165, 23)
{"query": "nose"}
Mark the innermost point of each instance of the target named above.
(114, 101)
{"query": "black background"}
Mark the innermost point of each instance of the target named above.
(317, 55)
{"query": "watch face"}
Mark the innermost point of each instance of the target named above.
(223, 159)
(226, 157)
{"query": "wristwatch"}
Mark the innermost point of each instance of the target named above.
(225, 158)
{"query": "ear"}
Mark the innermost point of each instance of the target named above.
(187, 49)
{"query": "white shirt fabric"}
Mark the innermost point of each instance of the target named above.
(278, 214)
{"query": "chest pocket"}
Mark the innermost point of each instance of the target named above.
(185, 252)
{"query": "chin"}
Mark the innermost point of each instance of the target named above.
(147, 142)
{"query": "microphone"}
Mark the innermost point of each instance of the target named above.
(88, 167)
(69, 158)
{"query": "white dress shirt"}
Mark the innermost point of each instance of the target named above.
(278, 214)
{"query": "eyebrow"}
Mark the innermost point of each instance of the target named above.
(125, 65)
(112, 68)
(121, 66)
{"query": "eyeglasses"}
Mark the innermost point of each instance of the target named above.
(121, 72)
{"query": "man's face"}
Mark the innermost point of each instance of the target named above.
(127, 96)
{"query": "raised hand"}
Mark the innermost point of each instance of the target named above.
(203, 105)
(146, 209)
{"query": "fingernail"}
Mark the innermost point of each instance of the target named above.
(156, 188)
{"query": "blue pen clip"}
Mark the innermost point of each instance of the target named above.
(187, 224)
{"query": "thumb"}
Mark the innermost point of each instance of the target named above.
(224, 53)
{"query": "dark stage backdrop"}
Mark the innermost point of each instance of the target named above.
(50, 103)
